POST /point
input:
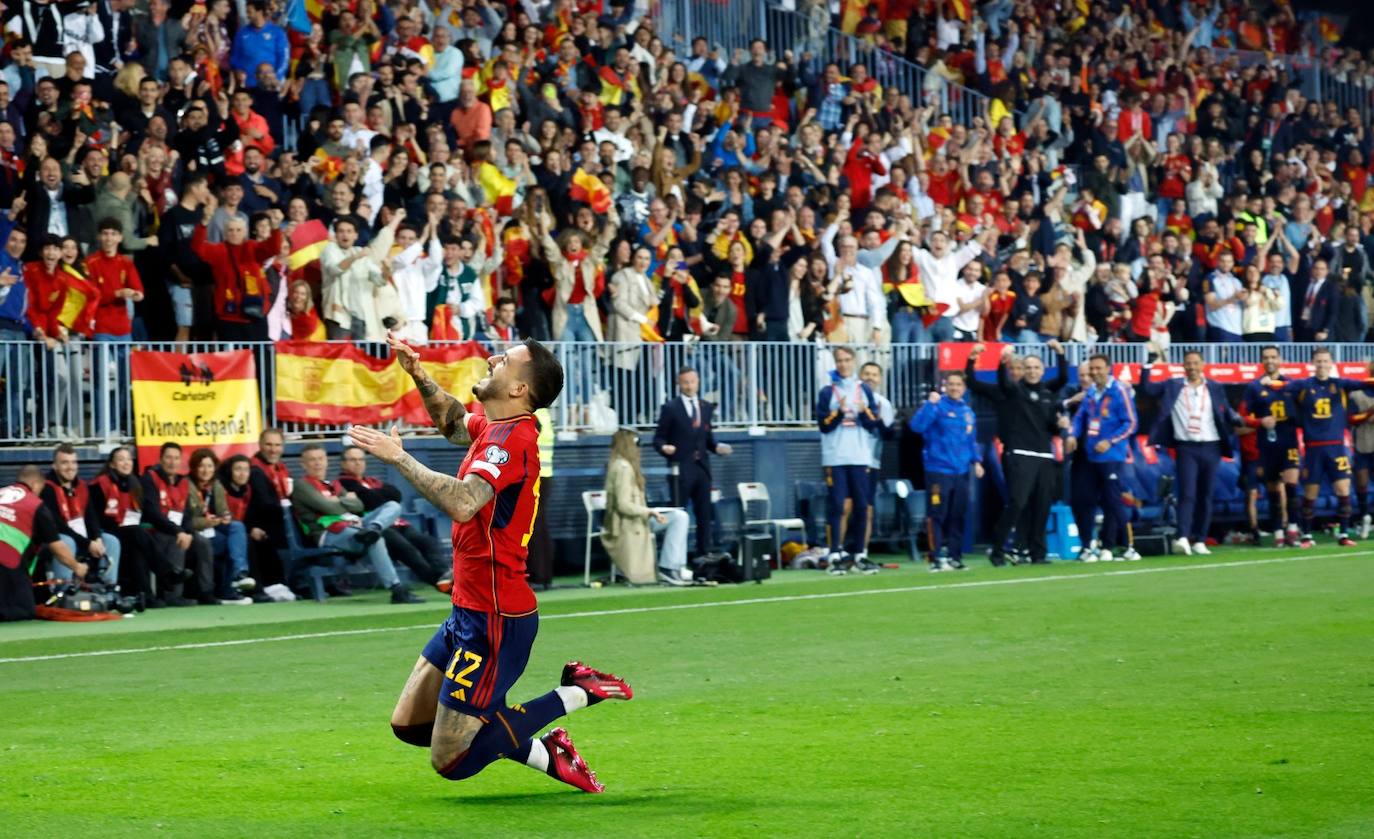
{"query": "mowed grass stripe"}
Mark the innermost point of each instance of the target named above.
(673, 607)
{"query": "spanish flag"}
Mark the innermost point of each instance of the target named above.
(961, 9)
(78, 304)
(499, 189)
(337, 383)
(1328, 29)
(648, 331)
(589, 189)
(307, 240)
(328, 168)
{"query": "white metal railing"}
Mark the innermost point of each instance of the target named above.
(732, 24)
(80, 392)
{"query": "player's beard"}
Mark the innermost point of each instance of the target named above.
(482, 389)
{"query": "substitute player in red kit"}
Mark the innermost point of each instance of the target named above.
(455, 699)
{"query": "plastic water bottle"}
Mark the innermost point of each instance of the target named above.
(1271, 435)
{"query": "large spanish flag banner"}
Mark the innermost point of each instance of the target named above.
(200, 400)
(339, 383)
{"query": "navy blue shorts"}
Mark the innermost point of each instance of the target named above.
(1275, 459)
(1251, 475)
(482, 655)
(1365, 461)
(1326, 463)
(848, 482)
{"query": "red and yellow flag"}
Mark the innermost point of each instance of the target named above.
(338, 383)
(589, 189)
(200, 400)
(307, 240)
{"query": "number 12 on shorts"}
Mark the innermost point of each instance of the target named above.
(460, 676)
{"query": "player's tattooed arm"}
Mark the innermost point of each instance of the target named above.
(459, 499)
(447, 413)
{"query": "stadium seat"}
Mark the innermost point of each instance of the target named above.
(594, 502)
(317, 563)
(756, 494)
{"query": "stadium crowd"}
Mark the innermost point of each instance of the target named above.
(470, 169)
(489, 171)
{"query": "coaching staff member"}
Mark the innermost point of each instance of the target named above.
(1027, 422)
(685, 437)
(1197, 422)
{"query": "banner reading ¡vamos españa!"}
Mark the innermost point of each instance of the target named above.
(338, 383)
(200, 400)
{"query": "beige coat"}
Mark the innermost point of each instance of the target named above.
(625, 531)
(565, 279)
(634, 296)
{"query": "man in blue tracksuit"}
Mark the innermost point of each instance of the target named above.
(848, 416)
(1103, 426)
(949, 429)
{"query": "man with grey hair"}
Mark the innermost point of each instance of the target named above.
(1027, 422)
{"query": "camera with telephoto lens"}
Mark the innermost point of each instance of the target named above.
(93, 597)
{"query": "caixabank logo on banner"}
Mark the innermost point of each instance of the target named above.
(200, 400)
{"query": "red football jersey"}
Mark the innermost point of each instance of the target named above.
(489, 550)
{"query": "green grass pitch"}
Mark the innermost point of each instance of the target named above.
(1227, 696)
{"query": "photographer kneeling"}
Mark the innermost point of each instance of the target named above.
(30, 527)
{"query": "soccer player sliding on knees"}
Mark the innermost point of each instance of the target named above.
(455, 699)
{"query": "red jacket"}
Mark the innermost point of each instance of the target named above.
(110, 274)
(859, 167)
(231, 286)
(47, 291)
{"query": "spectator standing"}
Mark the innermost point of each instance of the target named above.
(189, 283)
(949, 431)
(971, 303)
(1197, 422)
(685, 437)
(260, 42)
(350, 274)
(1225, 297)
(847, 414)
(14, 326)
(940, 269)
(756, 80)
(117, 281)
(632, 300)
(630, 524)
(415, 270)
(242, 291)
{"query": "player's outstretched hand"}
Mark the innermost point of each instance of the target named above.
(387, 448)
(405, 354)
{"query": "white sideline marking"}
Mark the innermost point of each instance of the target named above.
(748, 601)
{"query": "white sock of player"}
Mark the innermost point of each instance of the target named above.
(539, 755)
(574, 698)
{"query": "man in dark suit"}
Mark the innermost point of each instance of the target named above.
(1317, 316)
(50, 195)
(113, 50)
(685, 437)
(1198, 423)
